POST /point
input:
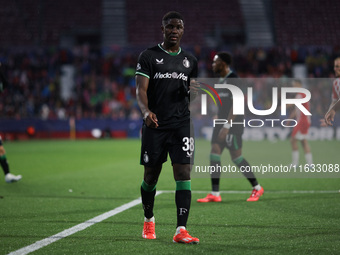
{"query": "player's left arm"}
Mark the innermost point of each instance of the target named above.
(194, 85)
(194, 88)
(222, 135)
(292, 115)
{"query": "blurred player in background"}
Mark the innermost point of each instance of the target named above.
(300, 131)
(5, 167)
(335, 93)
(162, 87)
(227, 136)
(336, 83)
(3, 160)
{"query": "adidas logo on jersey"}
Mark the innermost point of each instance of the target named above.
(173, 75)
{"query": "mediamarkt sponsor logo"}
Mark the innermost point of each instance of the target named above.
(173, 75)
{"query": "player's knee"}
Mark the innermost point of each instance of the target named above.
(150, 179)
(182, 172)
(215, 149)
(151, 175)
(293, 139)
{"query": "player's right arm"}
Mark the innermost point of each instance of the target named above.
(329, 116)
(142, 84)
(293, 114)
(222, 135)
(335, 94)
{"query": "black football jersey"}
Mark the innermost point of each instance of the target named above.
(227, 103)
(169, 81)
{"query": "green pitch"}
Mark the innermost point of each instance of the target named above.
(66, 183)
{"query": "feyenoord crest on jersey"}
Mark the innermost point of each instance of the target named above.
(168, 74)
(186, 63)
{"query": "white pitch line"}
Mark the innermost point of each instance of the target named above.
(70, 231)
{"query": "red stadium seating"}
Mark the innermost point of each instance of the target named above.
(25, 23)
(306, 22)
(201, 18)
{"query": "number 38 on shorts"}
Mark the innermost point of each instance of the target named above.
(157, 144)
(189, 145)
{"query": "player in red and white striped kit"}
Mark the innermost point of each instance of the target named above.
(329, 116)
(300, 131)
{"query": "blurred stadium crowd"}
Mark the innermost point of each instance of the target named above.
(34, 56)
(104, 85)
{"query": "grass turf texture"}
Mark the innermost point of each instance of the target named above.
(68, 182)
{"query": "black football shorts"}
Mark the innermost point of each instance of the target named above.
(158, 143)
(233, 142)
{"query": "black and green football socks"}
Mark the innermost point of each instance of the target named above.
(243, 164)
(148, 193)
(4, 164)
(215, 160)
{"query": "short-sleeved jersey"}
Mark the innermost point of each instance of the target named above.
(169, 82)
(336, 90)
(227, 103)
(300, 116)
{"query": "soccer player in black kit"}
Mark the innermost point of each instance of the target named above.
(227, 136)
(9, 177)
(162, 87)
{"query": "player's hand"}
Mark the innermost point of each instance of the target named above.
(329, 117)
(323, 123)
(194, 89)
(222, 135)
(151, 120)
(194, 86)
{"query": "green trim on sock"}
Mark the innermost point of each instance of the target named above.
(147, 187)
(183, 185)
(3, 156)
(235, 143)
(238, 160)
(215, 157)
